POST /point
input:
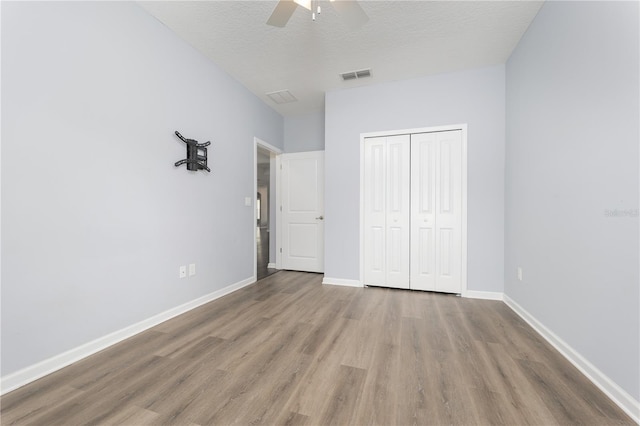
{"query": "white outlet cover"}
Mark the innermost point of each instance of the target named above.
(192, 269)
(247, 201)
(183, 272)
(519, 273)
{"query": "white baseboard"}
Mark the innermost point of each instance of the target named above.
(33, 372)
(271, 265)
(342, 282)
(487, 295)
(618, 395)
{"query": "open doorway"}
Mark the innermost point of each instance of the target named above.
(265, 214)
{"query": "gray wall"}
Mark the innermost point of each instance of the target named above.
(95, 217)
(473, 97)
(572, 157)
(304, 132)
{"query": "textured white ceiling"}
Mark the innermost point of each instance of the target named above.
(401, 40)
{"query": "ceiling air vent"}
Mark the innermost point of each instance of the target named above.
(354, 75)
(281, 97)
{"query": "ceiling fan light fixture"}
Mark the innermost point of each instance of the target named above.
(304, 3)
(350, 11)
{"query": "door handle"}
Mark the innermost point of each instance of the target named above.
(320, 218)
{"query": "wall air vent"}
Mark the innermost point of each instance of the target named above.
(281, 97)
(354, 75)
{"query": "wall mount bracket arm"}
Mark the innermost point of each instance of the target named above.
(196, 154)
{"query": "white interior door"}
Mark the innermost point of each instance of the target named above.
(423, 218)
(436, 211)
(412, 209)
(386, 208)
(398, 197)
(448, 204)
(303, 211)
(375, 211)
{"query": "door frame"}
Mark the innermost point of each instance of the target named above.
(274, 189)
(386, 133)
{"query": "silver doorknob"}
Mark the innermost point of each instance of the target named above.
(320, 218)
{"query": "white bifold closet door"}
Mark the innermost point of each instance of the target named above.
(436, 211)
(413, 211)
(386, 215)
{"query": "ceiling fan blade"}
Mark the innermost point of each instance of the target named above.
(281, 14)
(351, 12)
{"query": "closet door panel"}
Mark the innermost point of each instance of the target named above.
(448, 206)
(375, 186)
(398, 196)
(423, 174)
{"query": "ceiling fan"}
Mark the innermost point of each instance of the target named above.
(349, 10)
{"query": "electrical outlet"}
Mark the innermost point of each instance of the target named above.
(519, 273)
(247, 201)
(183, 271)
(192, 269)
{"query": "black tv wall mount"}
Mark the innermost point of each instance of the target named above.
(196, 154)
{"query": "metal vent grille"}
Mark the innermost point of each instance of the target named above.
(281, 97)
(354, 75)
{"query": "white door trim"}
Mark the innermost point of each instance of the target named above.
(278, 212)
(257, 142)
(463, 128)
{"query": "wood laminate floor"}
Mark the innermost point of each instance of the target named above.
(288, 350)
